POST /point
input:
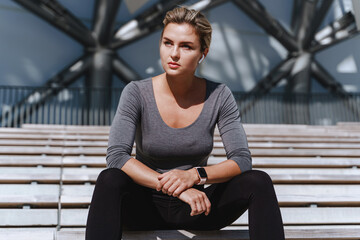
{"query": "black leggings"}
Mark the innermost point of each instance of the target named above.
(118, 203)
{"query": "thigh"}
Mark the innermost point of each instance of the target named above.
(140, 211)
(229, 201)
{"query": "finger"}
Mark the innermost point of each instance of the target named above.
(173, 187)
(158, 186)
(203, 205)
(193, 208)
(208, 205)
(198, 207)
(182, 187)
(161, 176)
(167, 186)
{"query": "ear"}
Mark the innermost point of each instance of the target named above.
(206, 51)
(204, 55)
(202, 58)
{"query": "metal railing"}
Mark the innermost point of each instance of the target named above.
(19, 105)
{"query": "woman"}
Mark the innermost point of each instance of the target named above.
(172, 117)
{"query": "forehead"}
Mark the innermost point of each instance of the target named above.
(180, 32)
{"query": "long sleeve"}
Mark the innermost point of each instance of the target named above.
(232, 132)
(123, 127)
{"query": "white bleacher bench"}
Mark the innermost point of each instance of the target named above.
(48, 173)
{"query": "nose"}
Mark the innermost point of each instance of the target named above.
(175, 53)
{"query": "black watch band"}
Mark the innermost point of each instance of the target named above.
(202, 175)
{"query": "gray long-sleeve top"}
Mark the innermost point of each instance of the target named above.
(162, 147)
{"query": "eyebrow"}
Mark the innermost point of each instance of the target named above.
(165, 38)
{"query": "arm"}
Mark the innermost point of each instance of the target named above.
(141, 174)
(236, 147)
(121, 139)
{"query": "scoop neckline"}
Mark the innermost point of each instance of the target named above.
(191, 124)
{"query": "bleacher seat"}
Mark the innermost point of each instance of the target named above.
(48, 172)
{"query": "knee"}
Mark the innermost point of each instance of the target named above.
(112, 178)
(258, 179)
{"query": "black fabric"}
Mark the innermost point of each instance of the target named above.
(119, 203)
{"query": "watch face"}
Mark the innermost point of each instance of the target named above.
(202, 172)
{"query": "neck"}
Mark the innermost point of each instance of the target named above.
(180, 86)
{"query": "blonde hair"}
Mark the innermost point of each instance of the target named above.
(195, 18)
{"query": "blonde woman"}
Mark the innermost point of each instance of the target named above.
(172, 118)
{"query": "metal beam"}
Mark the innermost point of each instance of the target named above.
(57, 16)
(336, 32)
(281, 71)
(341, 36)
(151, 20)
(144, 24)
(308, 9)
(315, 24)
(299, 78)
(258, 13)
(104, 20)
(295, 16)
(340, 24)
(326, 80)
(298, 89)
(205, 5)
(63, 12)
(356, 7)
(124, 71)
(39, 96)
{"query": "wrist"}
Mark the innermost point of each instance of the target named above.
(194, 176)
(202, 175)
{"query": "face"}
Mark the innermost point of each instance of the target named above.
(180, 49)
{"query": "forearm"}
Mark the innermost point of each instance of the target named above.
(222, 172)
(141, 174)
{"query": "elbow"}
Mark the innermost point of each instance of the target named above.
(115, 158)
(243, 159)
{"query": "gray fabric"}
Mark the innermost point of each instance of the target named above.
(163, 148)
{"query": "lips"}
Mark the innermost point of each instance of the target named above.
(173, 65)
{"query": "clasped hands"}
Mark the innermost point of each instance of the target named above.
(178, 183)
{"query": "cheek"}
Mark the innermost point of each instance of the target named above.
(192, 60)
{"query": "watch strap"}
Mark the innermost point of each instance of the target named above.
(202, 178)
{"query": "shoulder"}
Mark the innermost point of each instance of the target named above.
(136, 87)
(219, 89)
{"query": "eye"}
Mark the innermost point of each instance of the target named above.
(187, 46)
(167, 43)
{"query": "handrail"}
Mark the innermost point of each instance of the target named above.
(69, 107)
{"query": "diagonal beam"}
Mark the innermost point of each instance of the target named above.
(151, 21)
(339, 37)
(204, 5)
(295, 16)
(144, 24)
(65, 13)
(326, 80)
(315, 24)
(39, 96)
(281, 71)
(57, 16)
(299, 79)
(335, 32)
(308, 9)
(104, 20)
(258, 13)
(124, 71)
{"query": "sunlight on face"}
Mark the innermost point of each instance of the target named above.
(180, 49)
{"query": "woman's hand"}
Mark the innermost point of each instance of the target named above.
(176, 181)
(197, 200)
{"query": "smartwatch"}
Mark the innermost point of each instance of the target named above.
(202, 175)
